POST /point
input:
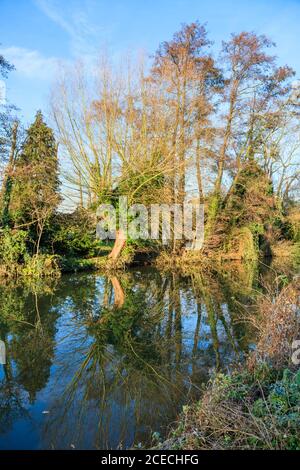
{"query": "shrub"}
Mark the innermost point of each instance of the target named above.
(241, 411)
(12, 247)
(75, 235)
(278, 325)
(41, 266)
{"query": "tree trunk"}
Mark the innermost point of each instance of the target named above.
(198, 171)
(119, 245)
(214, 206)
(118, 292)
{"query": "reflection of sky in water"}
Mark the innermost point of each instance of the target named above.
(107, 375)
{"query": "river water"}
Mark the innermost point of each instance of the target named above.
(96, 362)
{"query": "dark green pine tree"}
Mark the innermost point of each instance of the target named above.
(36, 189)
(39, 151)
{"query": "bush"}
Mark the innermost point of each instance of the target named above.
(75, 235)
(12, 247)
(278, 325)
(41, 266)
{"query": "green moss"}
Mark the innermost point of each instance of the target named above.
(296, 253)
(212, 213)
(241, 244)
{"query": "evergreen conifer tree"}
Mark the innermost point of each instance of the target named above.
(36, 189)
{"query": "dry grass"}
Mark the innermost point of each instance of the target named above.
(258, 407)
(284, 249)
(220, 422)
(187, 259)
(278, 325)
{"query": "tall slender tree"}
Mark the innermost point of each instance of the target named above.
(10, 138)
(256, 91)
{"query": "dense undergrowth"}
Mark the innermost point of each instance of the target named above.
(249, 227)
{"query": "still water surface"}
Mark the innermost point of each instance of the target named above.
(94, 362)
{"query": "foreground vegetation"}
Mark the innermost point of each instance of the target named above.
(257, 406)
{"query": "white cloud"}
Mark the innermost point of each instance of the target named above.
(75, 18)
(31, 63)
(50, 9)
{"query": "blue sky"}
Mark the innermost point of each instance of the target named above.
(36, 34)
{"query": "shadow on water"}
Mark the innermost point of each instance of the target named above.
(102, 362)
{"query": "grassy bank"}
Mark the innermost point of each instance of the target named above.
(258, 405)
(15, 261)
(98, 263)
(42, 266)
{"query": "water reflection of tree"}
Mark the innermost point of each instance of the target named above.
(11, 397)
(214, 305)
(32, 348)
(25, 315)
(137, 360)
(125, 359)
(27, 337)
(240, 283)
(129, 350)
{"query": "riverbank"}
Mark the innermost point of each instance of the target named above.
(40, 266)
(46, 265)
(257, 406)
